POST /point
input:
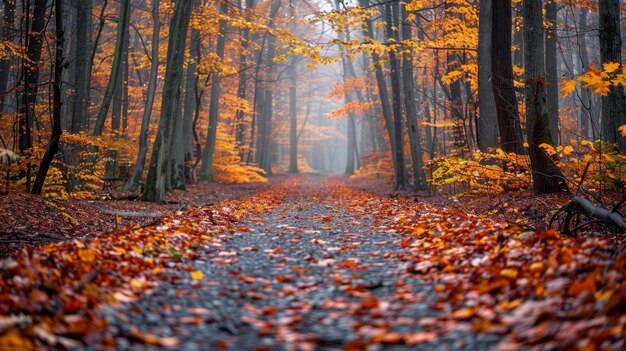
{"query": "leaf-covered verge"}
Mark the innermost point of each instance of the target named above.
(535, 289)
(32, 220)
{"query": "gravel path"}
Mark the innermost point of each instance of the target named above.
(309, 275)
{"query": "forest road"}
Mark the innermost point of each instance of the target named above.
(311, 274)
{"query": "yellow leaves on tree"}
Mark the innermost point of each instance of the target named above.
(227, 166)
(374, 166)
(599, 81)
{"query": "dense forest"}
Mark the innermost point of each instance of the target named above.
(435, 91)
(312, 174)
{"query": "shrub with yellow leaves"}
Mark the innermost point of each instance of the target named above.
(598, 166)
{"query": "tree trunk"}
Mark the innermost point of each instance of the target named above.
(30, 68)
(587, 129)
(206, 172)
(122, 32)
(391, 14)
(613, 104)
(488, 118)
(415, 139)
(240, 123)
(552, 74)
(383, 93)
(83, 71)
(53, 144)
(502, 78)
(293, 119)
(547, 178)
(8, 17)
(264, 101)
(191, 85)
(159, 162)
(147, 112)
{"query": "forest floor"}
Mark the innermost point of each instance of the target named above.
(313, 263)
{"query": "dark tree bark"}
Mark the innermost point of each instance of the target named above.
(383, 93)
(240, 124)
(488, 118)
(34, 39)
(206, 172)
(8, 17)
(265, 100)
(156, 184)
(587, 129)
(147, 112)
(391, 16)
(122, 32)
(613, 104)
(189, 105)
(53, 144)
(547, 178)
(552, 75)
(415, 139)
(83, 66)
(502, 77)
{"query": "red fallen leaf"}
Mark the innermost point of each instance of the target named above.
(404, 243)
(388, 338)
(464, 313)
(221, 345)
(347, 264)
(326, 219)
(419, 338)
(152, 339)
(243, 229)
(72, 306)
(270, 311)
(439, 288)
(299, 270)
(369, 303)
(587, 284)
(284, 279)
(194, 320)
(247, 279)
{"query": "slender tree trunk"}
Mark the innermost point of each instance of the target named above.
(53, 144)
(8, 17)
(265, 101)
(613, 104)
(152, 85)
(502, 77)
(81, 81)
(383, 93)
(585, 118)
(156, 184)
(122, 32)
(191, 86)
(293, 122)
(547, 178)
(30, 67)
(415, 139)
(206, 172)
(488, 118)
(552, 74)
(391, 14)
(240, 122)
